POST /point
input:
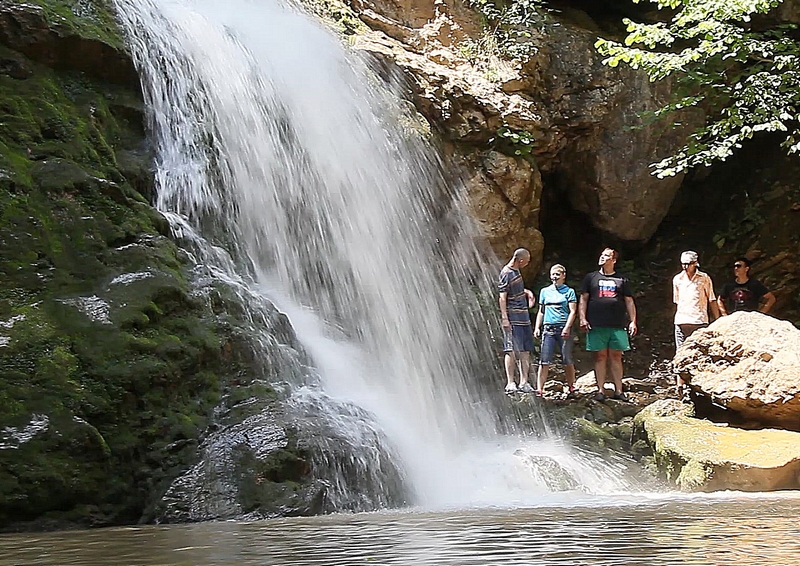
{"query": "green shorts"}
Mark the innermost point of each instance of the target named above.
(607, 339)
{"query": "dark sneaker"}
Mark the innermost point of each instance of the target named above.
(620, 397)
(599, 397)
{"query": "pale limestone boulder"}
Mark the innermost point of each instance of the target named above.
(503, 195)
(748, 363)
(698, 455)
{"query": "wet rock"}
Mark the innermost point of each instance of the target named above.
(748, 363)
(698, 455)
(244, 468)
(549, 473)
(107, 328)
(591, 435)
(319, 457)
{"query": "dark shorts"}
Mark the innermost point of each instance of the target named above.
(683, 331)
(518, 339)
(551, 339)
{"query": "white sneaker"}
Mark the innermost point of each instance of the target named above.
(527, 388)
(511, 388)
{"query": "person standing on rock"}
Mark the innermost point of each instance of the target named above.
(515, 321)
(693, 294)
(558, 306)
(606, 298)
(744, 293)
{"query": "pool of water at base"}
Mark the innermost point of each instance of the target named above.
(642, 529)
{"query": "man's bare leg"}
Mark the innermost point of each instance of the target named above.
(615, 358)
(524, 367)
(544, 369)
(569, 372)
(600, 359)
(510, 363)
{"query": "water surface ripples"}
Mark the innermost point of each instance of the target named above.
(729, 529)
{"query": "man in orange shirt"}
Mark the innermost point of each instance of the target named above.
(693, 294)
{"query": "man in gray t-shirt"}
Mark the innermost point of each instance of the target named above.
(516, 321)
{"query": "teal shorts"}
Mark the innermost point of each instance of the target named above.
(607, 339)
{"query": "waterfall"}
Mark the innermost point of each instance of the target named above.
(280, 147)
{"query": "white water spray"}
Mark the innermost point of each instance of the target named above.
(274, 142)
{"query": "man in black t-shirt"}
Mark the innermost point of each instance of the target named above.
(744, 294)
(606, 303)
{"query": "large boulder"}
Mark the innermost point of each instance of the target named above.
(503, 195)
(748, 363)
(698, 455)
(601, 112)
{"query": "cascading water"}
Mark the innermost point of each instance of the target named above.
(275, 143)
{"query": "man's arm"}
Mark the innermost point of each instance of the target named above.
(631, 308)
(582, 311)
(531, 298)
(769, 301)
(715, 312)
(721, 307)
(721, 301)
(504, 311)
(573, 310)
(537, 328)
(712, 300)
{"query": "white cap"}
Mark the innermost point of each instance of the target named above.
(688, 257)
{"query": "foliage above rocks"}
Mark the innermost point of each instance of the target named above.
(744, 70)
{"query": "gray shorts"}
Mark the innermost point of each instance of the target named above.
(518, 339)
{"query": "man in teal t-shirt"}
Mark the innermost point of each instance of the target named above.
(558, 305)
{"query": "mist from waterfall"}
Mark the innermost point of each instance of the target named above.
(277, 145)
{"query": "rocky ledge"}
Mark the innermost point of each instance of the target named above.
(738, 432)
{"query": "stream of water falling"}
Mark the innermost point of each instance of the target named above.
(277, 145)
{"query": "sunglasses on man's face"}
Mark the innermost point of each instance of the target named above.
(688, 264)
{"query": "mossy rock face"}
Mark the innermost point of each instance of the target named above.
(697, 455)
(112, 356)
(77, 35)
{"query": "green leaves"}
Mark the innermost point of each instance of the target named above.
(747, 79)
(512, 142)
(509, 22)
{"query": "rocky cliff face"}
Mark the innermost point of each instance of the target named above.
(555, 110)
